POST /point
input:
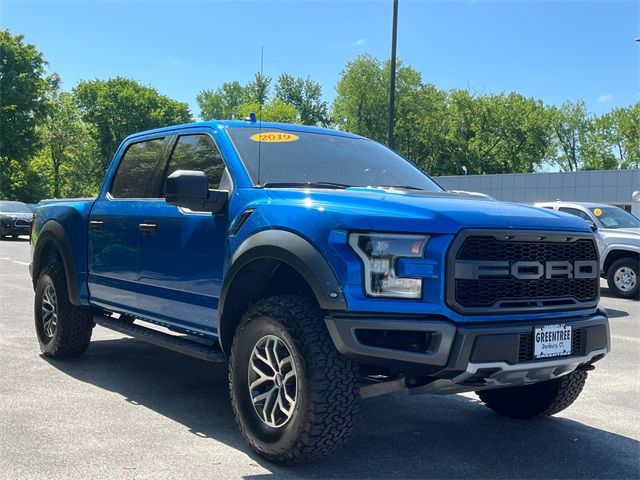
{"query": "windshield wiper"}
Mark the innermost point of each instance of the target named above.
(305, 184)
(405, 187)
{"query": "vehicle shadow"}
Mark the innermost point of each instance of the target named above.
(397, 435)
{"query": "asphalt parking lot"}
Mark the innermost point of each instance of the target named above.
(129, 410)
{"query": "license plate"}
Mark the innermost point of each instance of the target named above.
(552, 341)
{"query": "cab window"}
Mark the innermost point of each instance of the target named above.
(139, 174)
(576, 212)
(198, 152)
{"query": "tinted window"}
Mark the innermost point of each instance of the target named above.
(198, 152)
(278, 156)
(140, 173)
(576, 212)
(14, 207)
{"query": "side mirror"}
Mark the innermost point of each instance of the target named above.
(189, 189)
(592, 225)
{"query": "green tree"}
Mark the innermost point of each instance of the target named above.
(570, 123)
(361, 103)
(617, 138)
(120, 106)
(275, 111)
(23, 85)
(258, 89)
(70, 151)
(305, 96)
(222, 103)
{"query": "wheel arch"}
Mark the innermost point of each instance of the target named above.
(616, 253)
(53, 245)
(264, 261)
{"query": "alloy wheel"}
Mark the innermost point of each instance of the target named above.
(49, 311)
(273, 381)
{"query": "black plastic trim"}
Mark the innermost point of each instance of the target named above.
(458, 345)
(53, 232)
(512, 235)
(295, 251)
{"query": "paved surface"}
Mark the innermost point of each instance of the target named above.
(129, 410)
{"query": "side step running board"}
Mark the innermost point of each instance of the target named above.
(171, 342)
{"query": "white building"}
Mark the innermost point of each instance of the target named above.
(615, 187)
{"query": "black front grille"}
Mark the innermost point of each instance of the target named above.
(490, 248)
(487, 291)
(22, 223)
(476, 285)
(526, 353)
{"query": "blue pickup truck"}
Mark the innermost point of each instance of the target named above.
(324, 268)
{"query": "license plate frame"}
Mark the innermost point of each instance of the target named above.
(551, 341)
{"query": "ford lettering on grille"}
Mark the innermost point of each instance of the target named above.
(501, 272)
(526, 270)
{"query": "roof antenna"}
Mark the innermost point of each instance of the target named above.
(260, 114)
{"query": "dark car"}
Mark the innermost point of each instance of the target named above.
(15, 219)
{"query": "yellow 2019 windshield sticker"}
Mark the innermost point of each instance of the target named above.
(597, 212)
(274, 137)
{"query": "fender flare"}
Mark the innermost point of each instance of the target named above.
(52, 232)
(295, 251)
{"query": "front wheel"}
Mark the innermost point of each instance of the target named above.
(294, 396)
(537, 400)
(623, 278)
(63, 329)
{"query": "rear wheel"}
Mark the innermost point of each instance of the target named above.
(63, 329)
(294, 396)
(537, 400)
(623, 278)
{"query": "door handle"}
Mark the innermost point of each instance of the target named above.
(147, 227)
(96, 224)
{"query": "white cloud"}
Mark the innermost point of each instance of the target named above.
(358, 43)
(606, 98)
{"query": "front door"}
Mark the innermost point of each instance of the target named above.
(182, 252)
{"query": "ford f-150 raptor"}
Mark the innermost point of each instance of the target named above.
(326, 269)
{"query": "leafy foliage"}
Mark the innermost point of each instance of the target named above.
(70, 157)
(120, 106)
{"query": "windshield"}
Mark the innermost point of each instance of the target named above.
(614, 217)
(14, 207)
(320, 160)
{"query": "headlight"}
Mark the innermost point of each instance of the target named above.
(379, 252)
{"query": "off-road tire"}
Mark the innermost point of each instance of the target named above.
(630, 263)
(537, 400)
(74, 324)
(328, 383)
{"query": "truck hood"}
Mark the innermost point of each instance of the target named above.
(418, 211)
(629, 236)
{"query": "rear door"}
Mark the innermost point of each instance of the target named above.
(182, 253)
(114, 224)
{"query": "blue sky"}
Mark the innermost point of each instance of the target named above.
(552, 50)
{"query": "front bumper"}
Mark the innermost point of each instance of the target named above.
(453, 358)
(13, 229)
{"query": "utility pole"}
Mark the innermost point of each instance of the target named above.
(392, 82)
